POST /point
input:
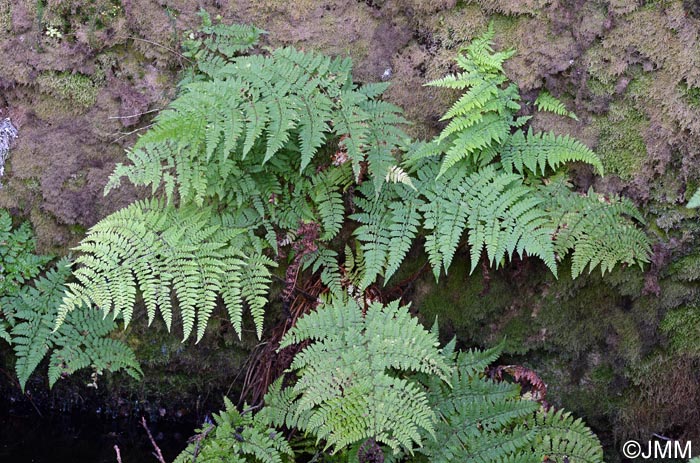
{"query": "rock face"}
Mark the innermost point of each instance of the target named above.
(80, 80)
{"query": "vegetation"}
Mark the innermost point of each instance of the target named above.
(29, 307)
(277, 158)
(264, 148)
(399, 390)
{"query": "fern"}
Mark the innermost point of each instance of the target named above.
(481, 420)
(380, 379)
(357, 398)
(488, 185)
(79, 343)
(18, 262)
(254, 109)
(238, 438)
(256, 146)
(601, 231)
(160, 249)
(546, 102)
(537, 152)
(389, 223)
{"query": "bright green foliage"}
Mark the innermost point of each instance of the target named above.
(272, 141)
(488, 184)
(546, 102)
(389, 224)
(189, 250)
(253, 110)
(381, 378)
(280, 143)
(79, 343)
(484, 421)
(597, 228)
(694, 201)
(348, 390)
(237, 438)
(532, 152)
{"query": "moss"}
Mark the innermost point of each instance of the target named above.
(682, 326)
(621, 145)
(462, 304)
(5, 16)
(691, 95)
(77, 89)
(686, 268)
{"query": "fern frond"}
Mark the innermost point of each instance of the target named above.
(485, 421)
(237, 437)
(389, 223)
(537, 152)
(357, 399)
(156, 248)
(79, 343)
(546, 102)
(600, 231)
(562, 438)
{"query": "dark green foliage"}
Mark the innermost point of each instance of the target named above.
(484, 421)
(18, 262)
(237, 438)
(79, 343)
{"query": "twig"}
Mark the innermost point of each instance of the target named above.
(119, 455)
(158, 454)
(126, 134)
(175, 52)
(26, 393)
(135, 115)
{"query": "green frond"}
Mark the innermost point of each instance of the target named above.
(326, 261)
(601, 231)
(358, 399)
(389, 224)
(546, 102)
(537, 152)
(158, 249)
(486, 421)
(239, 437)
(18, 261)
(562, 438)
(79, 343)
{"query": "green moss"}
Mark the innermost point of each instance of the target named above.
(462, 305)
(598, 87)
(691, 95)
(5, 16)
(621, 145)
(78, 89)
(686, 268)
(682, 326)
